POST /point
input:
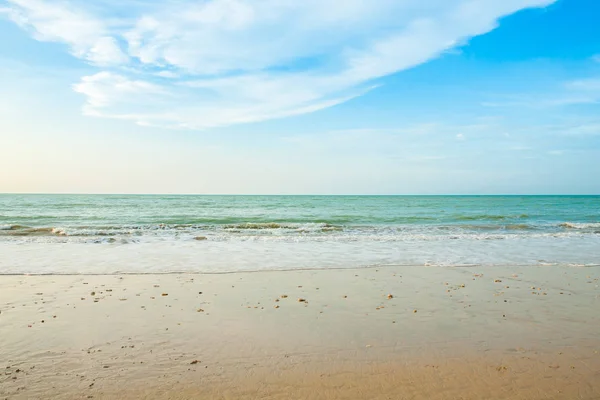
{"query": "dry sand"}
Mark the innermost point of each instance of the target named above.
(387, 333)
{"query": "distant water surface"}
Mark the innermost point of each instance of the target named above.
(162, 233)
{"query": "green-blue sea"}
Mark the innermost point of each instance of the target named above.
(178, 233)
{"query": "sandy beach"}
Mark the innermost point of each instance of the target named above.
(385, 333)
(300, 200)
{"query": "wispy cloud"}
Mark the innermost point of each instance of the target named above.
(546, 101)
(574, 92)
(202, 64)
(520, 148)
(583, 129)
(88, 36)
(585, 85)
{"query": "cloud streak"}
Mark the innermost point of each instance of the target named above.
(201, 64)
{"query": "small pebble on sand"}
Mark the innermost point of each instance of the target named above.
(390, 296)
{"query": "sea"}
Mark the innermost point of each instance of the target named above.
(139, 234)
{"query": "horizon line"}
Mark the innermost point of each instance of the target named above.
(297, 194)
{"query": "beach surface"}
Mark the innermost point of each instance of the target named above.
(374, 333)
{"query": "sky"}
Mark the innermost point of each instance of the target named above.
(300, 97)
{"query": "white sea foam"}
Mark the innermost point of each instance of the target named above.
(110, 255)
(580, 225)
(66, 235)
(59, 231)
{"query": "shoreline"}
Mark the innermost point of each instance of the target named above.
(307, 269)
(128, 340)
(304, 269)
(208, 256)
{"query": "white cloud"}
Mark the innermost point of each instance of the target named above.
(106, 51)
(586, 85)
(570, 93)
(237, 61)
(139, 100)
(167, 74)
(87, 36)
(520, 148)
(586, 129)
(460, 136)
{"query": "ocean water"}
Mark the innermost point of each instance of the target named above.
(58, 234)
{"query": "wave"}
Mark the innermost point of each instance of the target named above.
(490, 227)
(264, 225)
(20, 230)
(580, 225)
(290, 226)
(492, 217)
(520, 227)
(46, 236)
(13, 227)
(306, 229)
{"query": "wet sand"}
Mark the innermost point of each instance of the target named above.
(387, 333)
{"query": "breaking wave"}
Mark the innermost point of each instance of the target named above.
(580, 225)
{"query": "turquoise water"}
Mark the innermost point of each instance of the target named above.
(294, 216)
(311, 230)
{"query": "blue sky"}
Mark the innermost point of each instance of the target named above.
(235, 96)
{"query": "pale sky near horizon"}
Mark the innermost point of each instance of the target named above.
(294, 97)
